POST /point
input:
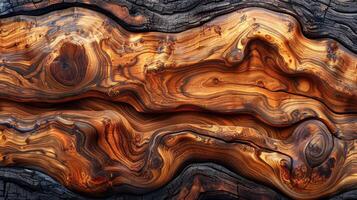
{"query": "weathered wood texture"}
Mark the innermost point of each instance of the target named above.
(27, 184)
(108, 111)
(196, 181)
(323, 18)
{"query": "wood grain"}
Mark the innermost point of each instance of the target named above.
(109, 61)
(92, 147)
(104, 110)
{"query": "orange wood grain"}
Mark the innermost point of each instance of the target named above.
(101, 108)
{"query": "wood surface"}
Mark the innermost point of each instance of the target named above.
(110, 104)
(319, 18)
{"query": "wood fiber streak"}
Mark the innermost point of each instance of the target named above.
(104, 110)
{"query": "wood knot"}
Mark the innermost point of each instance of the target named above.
(320, 145)
(69, 68)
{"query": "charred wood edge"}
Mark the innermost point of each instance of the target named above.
(22, 183)
(324, 18)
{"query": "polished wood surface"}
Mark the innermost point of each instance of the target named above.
(103, 109)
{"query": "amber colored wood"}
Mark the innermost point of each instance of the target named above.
(102, 109)
(119, 62)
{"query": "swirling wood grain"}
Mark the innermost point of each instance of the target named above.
(93, 147)
(161, 68)
(102, 109)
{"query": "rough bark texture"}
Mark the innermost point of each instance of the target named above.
(178, 99)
